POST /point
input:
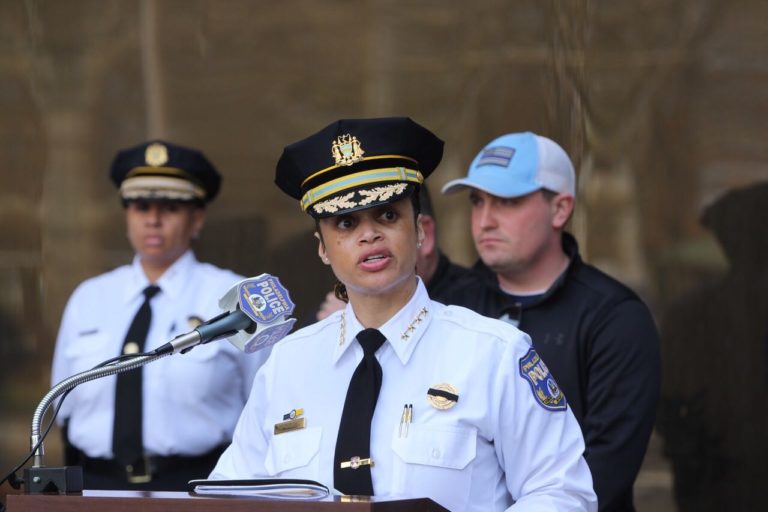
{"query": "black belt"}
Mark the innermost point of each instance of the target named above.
(144, 469)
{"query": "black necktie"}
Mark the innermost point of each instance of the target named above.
(354, 442)
(127, 433)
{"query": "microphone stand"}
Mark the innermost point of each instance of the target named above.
(68, 479)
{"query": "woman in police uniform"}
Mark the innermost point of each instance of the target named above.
(398, 394)
(159, 426)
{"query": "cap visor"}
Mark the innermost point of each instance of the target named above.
(491, 185)
(359, 199)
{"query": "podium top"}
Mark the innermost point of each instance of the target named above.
(152, 501)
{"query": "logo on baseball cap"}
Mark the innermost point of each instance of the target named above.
(517, 164)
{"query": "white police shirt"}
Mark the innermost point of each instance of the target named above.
(191, 401)
(497, 445)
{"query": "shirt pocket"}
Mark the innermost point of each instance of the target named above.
(90, 349)
(435, 461)
(295, 454)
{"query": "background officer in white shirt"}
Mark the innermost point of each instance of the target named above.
(398, 394)
(169, 421)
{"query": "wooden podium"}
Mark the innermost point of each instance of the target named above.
(131, 501)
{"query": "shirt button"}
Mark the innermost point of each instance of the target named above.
(286, 459)
(435, 453)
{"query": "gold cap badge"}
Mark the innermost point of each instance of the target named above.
(346, 150)
(156, 154)
(442, 396)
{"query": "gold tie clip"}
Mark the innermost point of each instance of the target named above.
(356, 462)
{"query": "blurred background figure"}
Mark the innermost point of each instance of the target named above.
(440, 274)
(595, 334)
(715, 379)
(159, 426)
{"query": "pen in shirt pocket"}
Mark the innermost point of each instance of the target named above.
(405, 419)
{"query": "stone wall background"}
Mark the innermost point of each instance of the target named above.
(661, 103)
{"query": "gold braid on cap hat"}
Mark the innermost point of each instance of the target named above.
(345, 201)
(322, 187)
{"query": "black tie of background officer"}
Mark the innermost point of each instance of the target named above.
(354, 439)
(164, 472)
(127, 443)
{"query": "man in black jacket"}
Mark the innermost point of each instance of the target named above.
(595, 334)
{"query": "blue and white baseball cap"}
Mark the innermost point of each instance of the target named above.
(517, 164)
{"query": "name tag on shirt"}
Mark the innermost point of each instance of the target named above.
(290, 425)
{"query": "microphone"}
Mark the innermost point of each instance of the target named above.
(255, 316)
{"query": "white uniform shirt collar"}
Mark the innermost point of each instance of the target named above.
(403, 331)
(171, 282)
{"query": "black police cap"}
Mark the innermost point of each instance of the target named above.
(354, 164)
(160, 170)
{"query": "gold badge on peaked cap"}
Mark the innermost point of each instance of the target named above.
(346, 150)
(442, 396)
(156, 154)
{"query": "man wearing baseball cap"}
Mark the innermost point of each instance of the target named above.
(157, 427)
(595, 334)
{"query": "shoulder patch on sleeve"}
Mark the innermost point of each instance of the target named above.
(545, 389)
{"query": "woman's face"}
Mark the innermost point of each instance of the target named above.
(374, 251)
(162, 231)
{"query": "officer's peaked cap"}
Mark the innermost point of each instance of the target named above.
(160, 170)
(355, 164)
